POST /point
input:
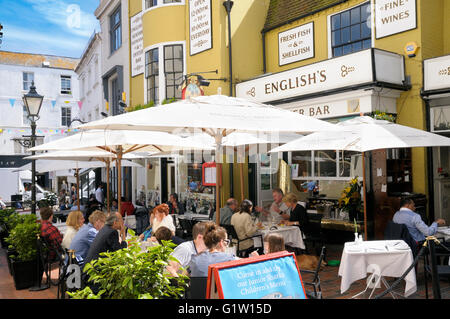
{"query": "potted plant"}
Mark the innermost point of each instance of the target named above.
(131, 273)
(24, 261)
(4, 214)
(350, 200)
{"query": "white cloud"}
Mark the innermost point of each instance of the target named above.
(68, 16)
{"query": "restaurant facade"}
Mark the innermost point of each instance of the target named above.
(332, 60)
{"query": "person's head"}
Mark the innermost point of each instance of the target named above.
(273, 242)
(173, 198)
(290, 200)
(46, 213)
(246, 206)
(97, 219)
(114, 220)
(407, 203)
(75, 219)
(163, 233)
(232, 204)
(100, 186)
(215, 237)
(198, 231)
(161, 211)
(277, 195)
(114, 203)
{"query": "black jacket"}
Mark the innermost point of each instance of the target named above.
(298, 214)
(107, 239)
(400, 231)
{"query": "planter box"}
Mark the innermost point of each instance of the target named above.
(25, 273)
(9, 252)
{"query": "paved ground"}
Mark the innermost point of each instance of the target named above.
(329, 279)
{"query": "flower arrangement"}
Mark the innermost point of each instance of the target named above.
(351, 196)
(378, 115)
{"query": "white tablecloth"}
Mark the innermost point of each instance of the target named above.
(392, 262)
(193, 216)
(292, 236)
(443, 232)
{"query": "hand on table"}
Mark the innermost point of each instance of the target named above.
(440, 222)
(254, 253)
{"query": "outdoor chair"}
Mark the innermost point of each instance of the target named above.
(232, 235)
(436, 266)
(395, 231)
(315, 282)
(186, 226)
(70, 259)
(48, 262)
(313, 234)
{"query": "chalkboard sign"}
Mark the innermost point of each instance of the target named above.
(271, 276)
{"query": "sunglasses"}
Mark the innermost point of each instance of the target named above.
(227, 242)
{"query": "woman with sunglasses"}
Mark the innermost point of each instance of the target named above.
(216, 241)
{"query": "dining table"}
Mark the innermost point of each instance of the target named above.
(443, 232)
(380, 258)
(292, 235)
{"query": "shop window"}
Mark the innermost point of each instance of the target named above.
(173, 70)
(350, 164)
(154, 3)
(325, 163)
(152, 75)
(441, 116)
(351, 30)
(301, 164)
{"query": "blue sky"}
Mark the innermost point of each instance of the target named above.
(56, 27)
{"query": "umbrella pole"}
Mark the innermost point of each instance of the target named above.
(108, 163)
(218, 139)
(364, 194)
(119, 178)
(241, 171)
(78, 189)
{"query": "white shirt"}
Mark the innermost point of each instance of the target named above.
(166, 222)
(276, 217)
(99, 195)
(184, 252)
(68, 236)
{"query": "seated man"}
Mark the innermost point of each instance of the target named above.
(49, 232)
(278, 210)
(107, 238)
(83, 239)
(227, 211)
(416, 227)
(175, 207)
(126, 207)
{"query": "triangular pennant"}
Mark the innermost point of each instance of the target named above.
(80, 104)
(12, 101)
(53, 103)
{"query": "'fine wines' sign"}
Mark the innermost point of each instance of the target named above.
(296, 44)
(394, 16)
(200, 28)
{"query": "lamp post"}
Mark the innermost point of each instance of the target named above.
(33, 102)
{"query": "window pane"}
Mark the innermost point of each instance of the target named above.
(335, 22)
(366, 32)
(357, 46)
(170, 92)
(155, 68)
(325, 163)
(337, 51)
(350, 164)
(170, 79)
(355, 15)
(168, 52)
(345, 35)
(336, 38)
(178, 51)
(345, 19)
(168, 66)
(356, 32)
(303, 160)
(346, 49)
(367, 44)
(365, 13)
(178, 65)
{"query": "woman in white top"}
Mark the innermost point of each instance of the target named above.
(160, 217)
(74, 222)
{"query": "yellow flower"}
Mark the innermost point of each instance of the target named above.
(346, 200)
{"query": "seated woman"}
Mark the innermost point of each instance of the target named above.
(298, 214)
(273, 243)
(216, 242)
(244, 226)
(74, 222)
(160, 217)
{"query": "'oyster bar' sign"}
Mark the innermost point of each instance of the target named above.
(296, 44)
(337, 73)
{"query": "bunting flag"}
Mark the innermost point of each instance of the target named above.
(107, 106)
(39, 131)
(53, 103)
(12, 101)
(67, 102)
(80, 104)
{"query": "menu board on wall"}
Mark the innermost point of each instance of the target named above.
(436, 73)
(200, 28)
(394, 16)
(137, 45)
(296, 44)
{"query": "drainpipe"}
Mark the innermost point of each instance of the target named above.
(228, 5)
(263, 33)
(430, 170)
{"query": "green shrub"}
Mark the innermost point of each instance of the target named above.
(22, 236)
(130, 273)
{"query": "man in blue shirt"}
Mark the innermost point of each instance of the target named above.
(417, 228)
(83, 239)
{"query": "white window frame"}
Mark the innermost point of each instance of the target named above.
(28, 82)
(70, 109)
(372, 18)
(160, 4)
(66, 77)
(162, 77)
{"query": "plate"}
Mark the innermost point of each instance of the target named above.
(354, 249)
(398, 247)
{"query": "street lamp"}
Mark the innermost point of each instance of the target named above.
(33, 102)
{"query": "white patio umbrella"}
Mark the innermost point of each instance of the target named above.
(216, 115)
(87, 156)
(119, 143)
(363, 134)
